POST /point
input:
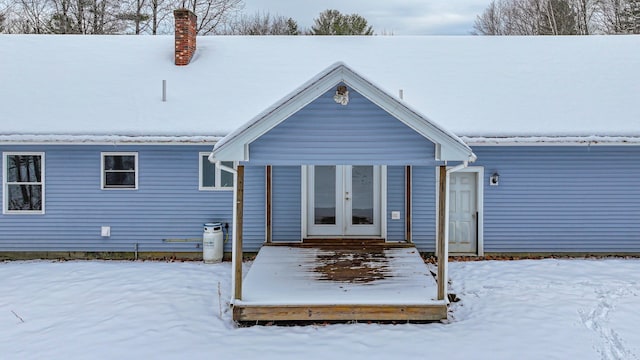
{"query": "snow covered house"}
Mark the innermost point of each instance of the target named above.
(105, 142)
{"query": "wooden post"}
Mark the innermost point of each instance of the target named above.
(238, 248)
(407, 205)
(442, 192)
(268, 204)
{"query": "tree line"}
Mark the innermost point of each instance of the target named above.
(215, 17)
(559, 17)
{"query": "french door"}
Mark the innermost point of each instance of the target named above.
(343, 200)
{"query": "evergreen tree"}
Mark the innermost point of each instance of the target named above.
(332, 22)
(292, 27)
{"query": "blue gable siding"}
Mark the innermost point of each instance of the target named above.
(254, 221)
(327, 133)
(562, 199)
(167, 204)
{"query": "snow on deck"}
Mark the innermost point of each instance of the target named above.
(282, 275)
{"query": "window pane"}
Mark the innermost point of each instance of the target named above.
(24, 197)
(24, 168)
(120, 179)
(119, 162)
(362, 195)
(226, 178)
(208, 172)
(324, 188)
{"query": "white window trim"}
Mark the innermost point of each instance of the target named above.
(218, 171)
(118, 153)
(5, 185)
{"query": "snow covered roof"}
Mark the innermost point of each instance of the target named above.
(478, 87)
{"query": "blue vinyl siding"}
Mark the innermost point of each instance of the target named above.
(287, 203)
(423, 207)
(254, 216)
(395, 202)
(167, 204)
(326, 133)
(562, 199)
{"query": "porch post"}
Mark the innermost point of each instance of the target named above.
(237, 250)
(269, 206)
(407, 205)
(442, 207)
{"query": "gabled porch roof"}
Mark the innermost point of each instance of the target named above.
(235, 146)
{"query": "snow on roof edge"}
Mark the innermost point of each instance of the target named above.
(109, 139)
(550, 140)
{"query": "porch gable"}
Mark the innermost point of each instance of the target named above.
(237, 145)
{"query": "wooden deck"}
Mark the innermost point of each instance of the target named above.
(339, 283)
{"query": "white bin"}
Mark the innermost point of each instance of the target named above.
(212, 243)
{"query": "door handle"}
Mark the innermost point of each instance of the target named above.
(346, 196)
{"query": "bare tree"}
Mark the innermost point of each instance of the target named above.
(3, 18)
(557, 18)
(262, 24)
(537, 17)
(31, 15)
(134, 13)
(110, 16)
(212, 14)
(491, 21)
(622, 16)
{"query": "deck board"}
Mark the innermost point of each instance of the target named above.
(334, 283)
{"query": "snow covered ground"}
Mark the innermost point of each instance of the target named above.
(528, 309)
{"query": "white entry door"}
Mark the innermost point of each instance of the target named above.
(343, 200)
(463, 213)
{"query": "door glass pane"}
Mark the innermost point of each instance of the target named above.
(324, 188)
(362, 197)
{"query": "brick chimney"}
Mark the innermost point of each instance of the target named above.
(185, 35)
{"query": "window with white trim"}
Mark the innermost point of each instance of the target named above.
(214, 178)
(119, 170)
(23, 179)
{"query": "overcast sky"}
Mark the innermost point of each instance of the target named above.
(400, 17)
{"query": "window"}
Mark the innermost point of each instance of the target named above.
(213, 178)
(23, 179)
(120, 170)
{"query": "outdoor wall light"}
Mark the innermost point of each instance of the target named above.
(342, 95)
(494, 179)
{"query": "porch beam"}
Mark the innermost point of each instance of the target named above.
(340, 312)
(237, 255)
(440, 246)
(269, 204)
